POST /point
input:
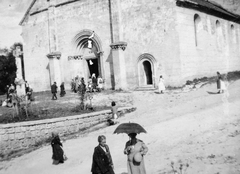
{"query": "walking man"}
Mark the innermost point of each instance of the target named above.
(54, 91)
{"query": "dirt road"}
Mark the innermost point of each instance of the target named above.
(197, 127)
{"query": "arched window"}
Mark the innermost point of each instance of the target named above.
(233, 33)
(219, 34)
(197, 27)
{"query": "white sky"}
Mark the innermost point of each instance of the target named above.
(11, 13)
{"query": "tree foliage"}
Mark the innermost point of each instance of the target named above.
(7, 67)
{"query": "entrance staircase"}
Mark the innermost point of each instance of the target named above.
(146, 88)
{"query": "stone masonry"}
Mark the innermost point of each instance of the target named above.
(160, 37)
(17, 136)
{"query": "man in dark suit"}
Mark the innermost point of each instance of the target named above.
(54, 91)
(102, 160)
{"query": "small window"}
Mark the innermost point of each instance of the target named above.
(197, 27)
(233, 33)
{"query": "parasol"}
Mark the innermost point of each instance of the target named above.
(129, 128)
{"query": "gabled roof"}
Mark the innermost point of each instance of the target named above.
(61, 3)
(209, 7)
(28, 10)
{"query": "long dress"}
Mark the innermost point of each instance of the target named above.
(161, 86)
(133, 166)
(57, 150)
(218, 82)
(222, 85)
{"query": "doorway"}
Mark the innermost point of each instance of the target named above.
(93, 66)
(147, 72)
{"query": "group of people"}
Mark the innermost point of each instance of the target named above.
(102, 162)
(54, 88)
(135, 149)
(94, 84)
(221, 86)
(12, 97)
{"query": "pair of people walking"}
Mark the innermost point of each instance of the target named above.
(135, 149)
(54, 90)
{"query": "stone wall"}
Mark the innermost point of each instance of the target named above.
(204, 52)
(17, 136)
(158, 28)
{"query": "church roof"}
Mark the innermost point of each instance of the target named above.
(209, 8)
(27, 12)
(201, 5)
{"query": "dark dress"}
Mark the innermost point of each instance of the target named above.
(57, 150)
(218, 81)
(102, 161)
(62, 92)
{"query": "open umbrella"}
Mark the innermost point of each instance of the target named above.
(129, 128)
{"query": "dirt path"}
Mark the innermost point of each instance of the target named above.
(196, 127)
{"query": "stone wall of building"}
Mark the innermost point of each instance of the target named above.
(206, 49)
(36, 47)
(73, 18)
(17, 136)
(158, 28)
(150, 28)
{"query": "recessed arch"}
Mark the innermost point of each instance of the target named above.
(146, 70)
(233, 33)
(197, 27)
(94, 62)
(219, 34)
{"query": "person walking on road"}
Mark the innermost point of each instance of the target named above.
(102, 160)
(161, 86)
(135, 149)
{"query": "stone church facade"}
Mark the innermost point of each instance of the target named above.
(134, 41)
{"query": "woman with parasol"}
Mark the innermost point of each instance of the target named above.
(135, 149)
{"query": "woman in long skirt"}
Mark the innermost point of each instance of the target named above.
(161, 86)
(135, 149)
(58, 154)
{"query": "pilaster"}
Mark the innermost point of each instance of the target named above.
(119, 67)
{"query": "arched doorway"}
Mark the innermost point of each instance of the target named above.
(91, 52)
(146, 70)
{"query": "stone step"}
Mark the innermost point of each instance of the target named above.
(146, 88)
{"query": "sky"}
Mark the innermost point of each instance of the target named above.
(12, 11)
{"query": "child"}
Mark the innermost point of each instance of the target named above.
(114, 118)
(161, 86)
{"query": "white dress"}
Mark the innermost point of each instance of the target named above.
(161, 86)
(222, 85)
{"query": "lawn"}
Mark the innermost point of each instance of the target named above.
(43, 107)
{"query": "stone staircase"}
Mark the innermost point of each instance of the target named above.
(146, 88)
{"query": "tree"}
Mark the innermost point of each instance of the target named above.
(7, 67)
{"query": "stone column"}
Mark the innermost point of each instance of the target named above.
(20, 83)
(54, 67)
(119, 67)
(54, 55)
(52, 26)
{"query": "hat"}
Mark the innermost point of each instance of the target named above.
(138, 157)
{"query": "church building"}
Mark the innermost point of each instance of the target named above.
(129, 43)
